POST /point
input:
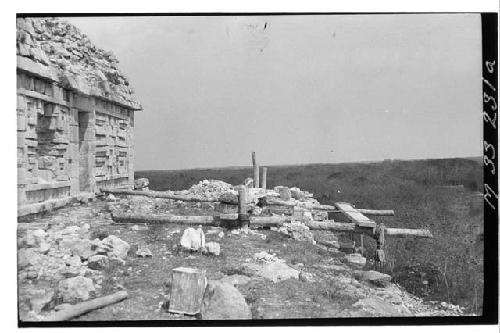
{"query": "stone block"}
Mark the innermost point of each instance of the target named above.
(21, 176)
(21, 121)
(57, 92)
(21, 102)
(188, 287)
(73, 116)
(30, 142)
(32, 118)
(60, 138)
(21, 194)
(20, 140)
(74, 133)
(61, 124)
(30, 134)
(46, 175)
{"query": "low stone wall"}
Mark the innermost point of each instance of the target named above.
(52, 204)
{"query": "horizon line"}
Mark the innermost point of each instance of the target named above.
(313, 163)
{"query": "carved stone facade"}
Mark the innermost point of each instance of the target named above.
(75, 115)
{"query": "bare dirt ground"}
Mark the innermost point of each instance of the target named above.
(331, 290)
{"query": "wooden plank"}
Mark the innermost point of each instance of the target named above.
(119, 217)
(378, 212)
(71, 311)
(159, 194)
(408, 233)
(353, 215)
(268, 200)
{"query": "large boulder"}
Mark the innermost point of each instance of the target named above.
(119, 248)
(223, 301)
(193, 239)
(76, 289)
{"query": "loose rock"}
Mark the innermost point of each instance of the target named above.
(193, 239)
(274, 271)
(119, 247)
(223, 301)
(355, 260)
(98, 262)
(213, 248)
(141, 183)
(144, 252)
(376, 278)
(41, 298)
(306, 277)
(76, 289)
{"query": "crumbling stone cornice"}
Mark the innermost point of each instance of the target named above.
(59, 52)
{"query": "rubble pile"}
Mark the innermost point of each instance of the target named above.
(298, 231)
(141, 184)
(210, 189)
(67, 262)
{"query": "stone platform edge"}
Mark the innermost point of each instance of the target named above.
(52, 204)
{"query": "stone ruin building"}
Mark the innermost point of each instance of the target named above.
(75, 117)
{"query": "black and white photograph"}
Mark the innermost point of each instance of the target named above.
(252, 168)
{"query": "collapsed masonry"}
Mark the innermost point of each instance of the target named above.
(75, 116)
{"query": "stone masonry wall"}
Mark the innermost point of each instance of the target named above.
(75, 114)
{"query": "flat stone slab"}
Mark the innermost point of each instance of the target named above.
(374, 277)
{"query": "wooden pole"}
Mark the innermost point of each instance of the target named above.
(330, 226)
(378, 212)
(263, 221)
(255, 171)
(361, 243)
(264, 178)
(397, 232)
(278, 202)
(119, 217)
(158, 194)
(242, 206)
(380, 254)
(72, 311)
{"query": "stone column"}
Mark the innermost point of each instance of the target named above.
(21, 151)
(90, 138)
(74, 154)
(131, 152)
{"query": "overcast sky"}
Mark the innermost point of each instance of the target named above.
(298, 89)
